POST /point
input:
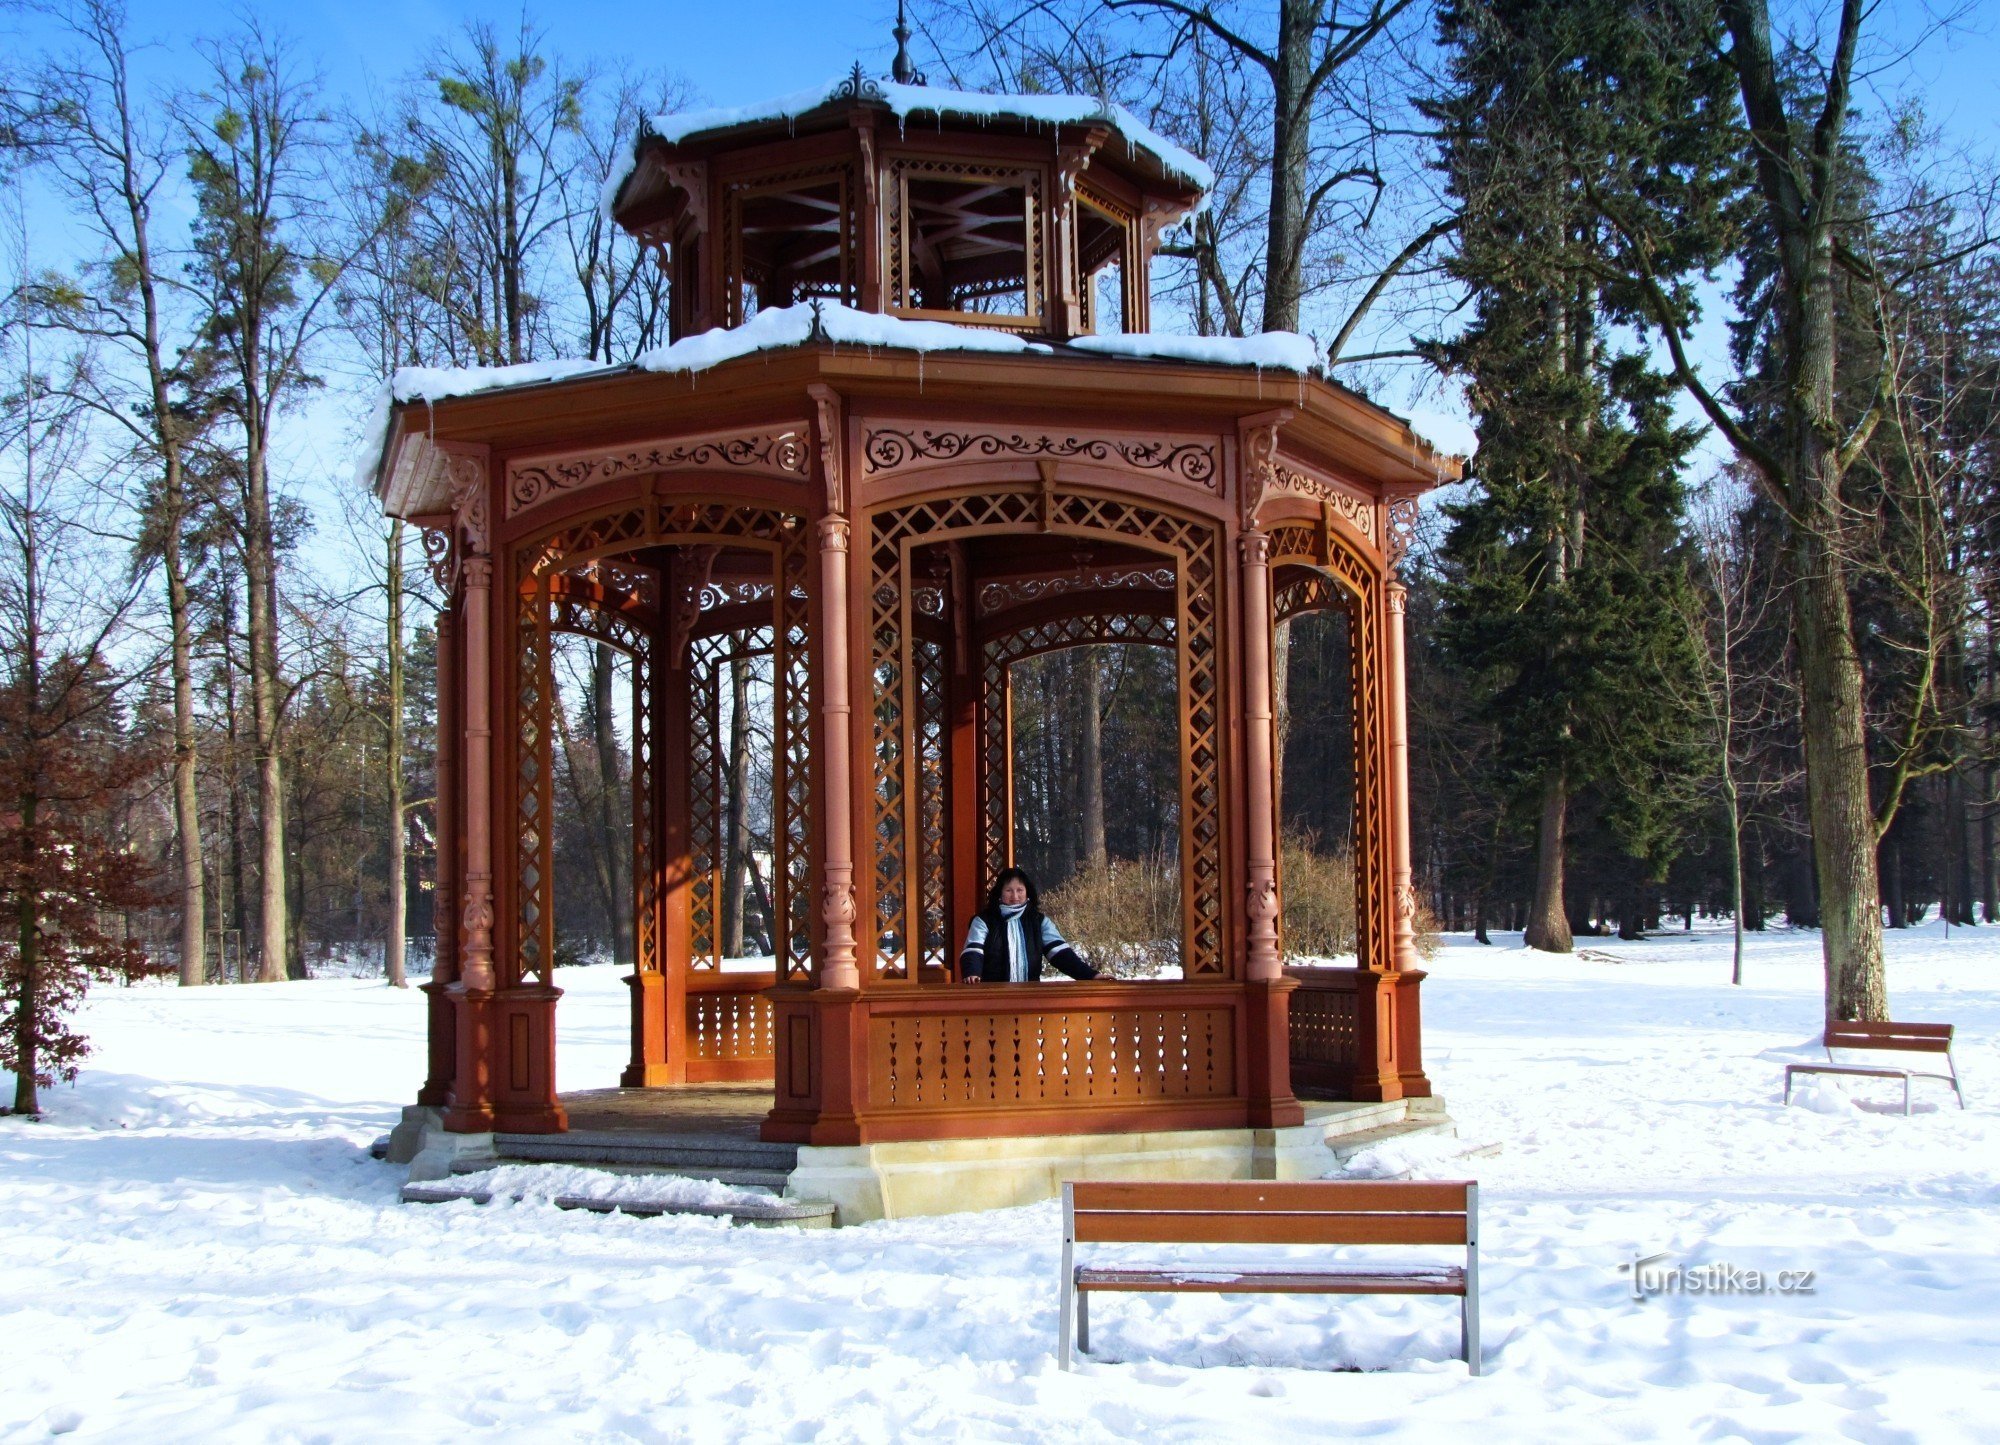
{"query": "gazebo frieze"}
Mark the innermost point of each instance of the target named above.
(780, 451)
(1291, 477)
(894, 447)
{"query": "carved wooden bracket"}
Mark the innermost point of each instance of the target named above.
(1259, 438)
(826, 404)
(691, 569)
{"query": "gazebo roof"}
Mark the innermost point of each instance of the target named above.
(830, 106)
(1395, 448)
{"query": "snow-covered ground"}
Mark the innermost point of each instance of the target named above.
(197, 1246)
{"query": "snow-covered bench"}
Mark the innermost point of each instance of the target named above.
(1330, 1212)
(1884, 1038)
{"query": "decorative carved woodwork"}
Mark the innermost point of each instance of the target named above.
(903, 447)
(1357, 511)
(998, 596)
(779, 452)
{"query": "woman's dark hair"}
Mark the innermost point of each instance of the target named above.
(1034, 897)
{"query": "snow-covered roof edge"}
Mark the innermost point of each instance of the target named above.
(830, 322)
(905, 101)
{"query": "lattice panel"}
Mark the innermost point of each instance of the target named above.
(730, 1026)
(1347, 581)
(921, 1063)
(578, 545)
(933, 884)
(705, 662)
(663, 523)
(903, 291)
(842, 232)
(1325, 1026)
(1197, 545)
(791, 761)
(534, 696)
(579, 615)
(995, 724)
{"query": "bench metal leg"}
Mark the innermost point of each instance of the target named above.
(1468, 1317)
(1906, 1096)
(1083, 1321)
(1788, 1086)
(1066, 1295)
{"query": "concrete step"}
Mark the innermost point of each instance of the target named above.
(1347, 1146)
(722, 1172)
(1344, 1119)
(799, 1213)
(665, 1153)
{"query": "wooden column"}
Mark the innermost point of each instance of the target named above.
(471, 1108)
(965, 813)
(821, 1039)
(1267, 991)
(1403, 1025)
(436, 1090)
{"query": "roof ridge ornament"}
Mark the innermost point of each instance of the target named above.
(903, 70)
(858, 86)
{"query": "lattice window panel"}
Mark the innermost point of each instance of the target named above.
(734, 271)
(534, 696)
(576, 546)
(1346, 580)
(704, 795)
(791, 761)
(902, 288)
(996, 727)
(1197, 544)
(932, 1062)
(931, 828)
(581, 616)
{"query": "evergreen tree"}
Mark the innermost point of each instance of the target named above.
(1565, 573)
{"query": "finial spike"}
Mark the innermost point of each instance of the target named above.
(903, 70)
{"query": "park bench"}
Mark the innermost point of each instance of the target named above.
(1884, 1038)
(1332, 1212)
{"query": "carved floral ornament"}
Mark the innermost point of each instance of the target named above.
(1402, 527)
(897, 447)
(998, 596)
(781, 452)
(1357, 511)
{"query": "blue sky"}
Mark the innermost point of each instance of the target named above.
(747, 50)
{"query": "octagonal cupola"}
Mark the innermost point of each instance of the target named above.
(1034, 214)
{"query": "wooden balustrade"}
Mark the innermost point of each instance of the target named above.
(1325, 1030)
(729, 1027)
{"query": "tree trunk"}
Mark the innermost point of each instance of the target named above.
(1832, 721)
(1090, 763)
(187, 798)
(393, 944)
(1291, 150)
(1548, 920)
(260, 585)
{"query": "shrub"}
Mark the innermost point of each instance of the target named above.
(1124, 917)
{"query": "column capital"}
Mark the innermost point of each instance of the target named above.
(1254, 548)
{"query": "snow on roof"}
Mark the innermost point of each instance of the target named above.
(906, 101)
(1269, 350)
(830, 322)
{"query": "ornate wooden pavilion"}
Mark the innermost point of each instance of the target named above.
(897, 513)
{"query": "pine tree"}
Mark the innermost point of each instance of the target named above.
(1565, 574)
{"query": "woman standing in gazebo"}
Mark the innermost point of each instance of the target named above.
(1009, 939)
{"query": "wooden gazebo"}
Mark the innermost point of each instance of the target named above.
(908, 434)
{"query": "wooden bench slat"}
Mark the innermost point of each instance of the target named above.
(1154, 1226)
(1317, 1194)
(1909, 1038)
(1444, 1279)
